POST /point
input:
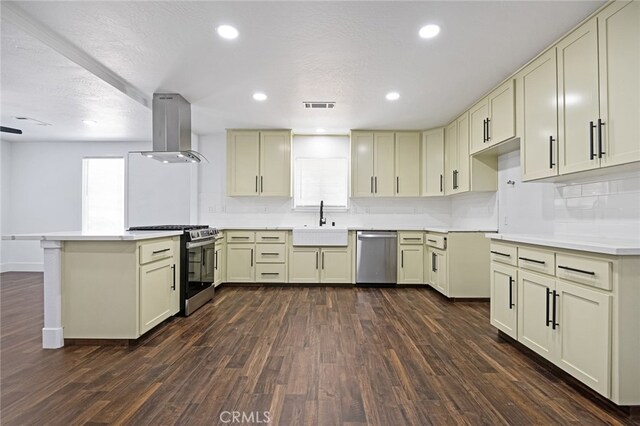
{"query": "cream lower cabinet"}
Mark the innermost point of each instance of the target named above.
(576, 309)
(433, 161)
(256, 256)
(119, 289)
(504, 294)
(219, 268)
(310, 265)
(411, 264)
(437, 261)
(241, 263)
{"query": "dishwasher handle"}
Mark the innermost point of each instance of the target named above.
(377, 236)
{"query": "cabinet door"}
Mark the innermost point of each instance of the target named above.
(241, 263)
(539, 154)
(384, 184)
(534, 313)
(407, 167)
(335, 265)
(243, 163)
(438, 271)
(275, 164)
(411, 264)
(578, 99)
(463, 178)
(450, 156)
(217, 262)
(156, 286)
(478, 114)
(504, 293)
(502, 117)
(619, 38)
(304, 265)
(433, 159)
(362, 164)
(584, 328)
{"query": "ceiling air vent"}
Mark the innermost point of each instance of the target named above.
(318, 105)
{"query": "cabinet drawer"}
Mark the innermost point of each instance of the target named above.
(542, 261)
(437, 241)
(271, 237)
(584, 270)
(504, 253)
(241, 236)
(154, 251)
(270, 253)
(411, 237)
(270, 272)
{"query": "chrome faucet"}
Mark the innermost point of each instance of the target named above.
(323, 220)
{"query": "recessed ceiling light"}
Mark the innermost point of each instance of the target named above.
(89, 122)
(180, 155)
(429, 31)
(259, 96)
(149, 156)
(393, 96)
(227, 31)
(320, 130)
(165, 161)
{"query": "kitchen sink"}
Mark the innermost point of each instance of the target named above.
(320, 236)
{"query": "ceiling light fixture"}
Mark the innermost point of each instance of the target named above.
(227, 32)
(149, 156)
(429, 31)
(165, 161)
(393, 96)
(259, 96)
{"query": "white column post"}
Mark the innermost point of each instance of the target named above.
(52, 336)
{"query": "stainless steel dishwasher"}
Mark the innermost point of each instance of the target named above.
(376, 257)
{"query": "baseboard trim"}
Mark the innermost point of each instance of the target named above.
(22, 267)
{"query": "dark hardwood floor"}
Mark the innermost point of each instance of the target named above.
(307, 356)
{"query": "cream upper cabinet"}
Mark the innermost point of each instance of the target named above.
(539, 109)
(504, 294)
(243, 163)
(275, 163)
(492, 120)
(335, 265)
(407, 164)
(578, 99)
(619, 49)
(457, 167)
(450, 156)
(411, 264)
(384, 178)
(373, 164)
(259, 163)
(433, 160)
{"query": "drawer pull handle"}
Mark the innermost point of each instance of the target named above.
(500, 254)
(270, 238)
(577, 270)
(269, 273)
(270, 254)
(239, 238)
(160, 251)
(541, 262)
(412, 238)
(432, 241)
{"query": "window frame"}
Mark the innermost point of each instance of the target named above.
(125, 192)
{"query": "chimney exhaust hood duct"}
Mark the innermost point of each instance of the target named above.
(172, 130)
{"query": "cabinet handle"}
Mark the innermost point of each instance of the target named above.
(551, 163)
(160, 251)
(269, 273)
(173, 268)
(322, 260)
(397, 184)
(376, 183)
(215, 260)
(239, 238)
(592, 126)
(484, 130)
(256, 184)
(432, 241)
(372, 184)
(577, 270)
(554, 324)
(402, 258)
(541, 262)
(441, 182)
(433, 262)
(261, 186)
(270, 254)
(600, 151)
(500, 254)
(455, 179)
(511, 304)
(251, 257)
(204, 258)
(488, 135)
(412, 238)
(547, 306)
(270, 238)
(316, 260)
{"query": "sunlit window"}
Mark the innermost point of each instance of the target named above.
(102, 194)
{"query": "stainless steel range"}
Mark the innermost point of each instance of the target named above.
(197, 263)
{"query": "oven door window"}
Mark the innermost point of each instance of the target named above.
(208, 262)
(195, 264)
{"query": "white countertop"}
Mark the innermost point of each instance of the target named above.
(358, 228)
(591, 244)
(93, 236)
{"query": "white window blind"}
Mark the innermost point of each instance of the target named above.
(321, 171)
(103, 194)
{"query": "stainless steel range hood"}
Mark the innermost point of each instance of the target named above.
(172, 130)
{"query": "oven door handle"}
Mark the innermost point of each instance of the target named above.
(201, 243)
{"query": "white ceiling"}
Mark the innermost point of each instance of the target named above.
(349, 52)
